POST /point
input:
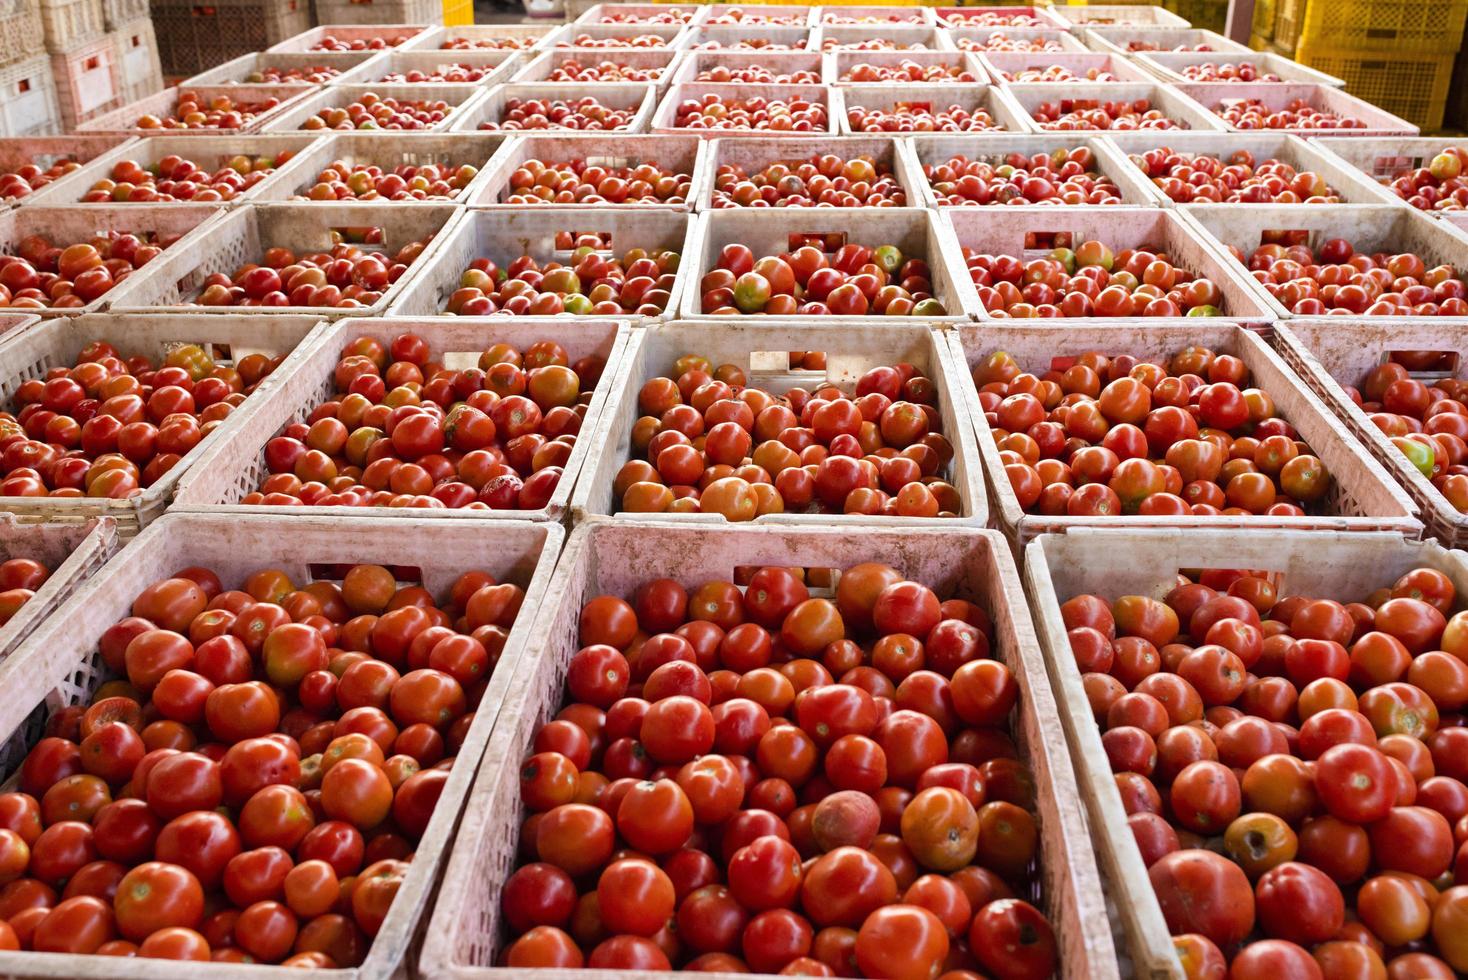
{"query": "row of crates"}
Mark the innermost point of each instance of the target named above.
(48, 93)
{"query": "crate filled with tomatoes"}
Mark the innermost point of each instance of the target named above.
(41, 565)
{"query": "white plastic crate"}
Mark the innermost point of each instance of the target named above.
(517, 37)
(1117, 14)
(638, 13)
(1381, 158)
(751, 37)
(1130, 40)
(165, 103)
(293, 118)
(59, 667)
(1378, 122)
(535, 67)
(761, 348)
(1361, 498)
(760, 15)
(840, 64)
(243, 235)
(495, 66)
(504, 234)
(770, 231)
(617, 37)
(56, 344)
(137, 56)
(677, 153)
(489, 107)
(1169, 65)
(209, 152)
(88, 79)
(70, 23)
(1369, 228)
(754, 156)
(931, 149)
(1034, 40)
(1173, 103)
(1000, 63)
(1006, 115)
(71, 552)
(351, 65)
(1003, 18)
(780, 64)
(68, 225)
(874, 16)
(1353, 187)
(28, 105)
(665, 119)
(897, 37)
(236, 466)
(1003, 231)
(370, 149)
(465, 940)
(391, 36)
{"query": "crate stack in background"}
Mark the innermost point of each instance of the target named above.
(27, 93)
(1397, 54)
(84, 63)
(195, 37)
(136, 47)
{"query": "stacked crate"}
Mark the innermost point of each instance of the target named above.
(27, 93)
(136, 46)
(193, 38)
(84, 63)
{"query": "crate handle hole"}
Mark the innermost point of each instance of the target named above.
(1442, 363)
(820, 581)
(826, 241)
(787, 362)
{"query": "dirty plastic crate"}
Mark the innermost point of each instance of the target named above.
(293, 118)
(72, 553)
(45, 151)
(1172, 101)
(1115, 563)
(28, 105)
(1277, 96)
(21, 34)
(465, 939)
(1130, 40)
(1299, 153)
(369, 149)
(1035, 41)
(762, 349)
(56, 344)
(67, 225)
(664, 119)
(1000, 63)
(236, 466)
(874, 16)
(1389, 27)
(480, 37)
(59, 667)
(1333, 353)
(489, 107)
(392, 37)
(504, 234)
(71, 23)
(1000, 17)
(751, 37)
(88, 81)
(1007, 116)
(137, 57)
(209, 152)
(351, 65)
(616, 37)
(759, 15)
(917, 233)
(379, 11)
(898, 37)
(677, 153)
(1390, 228)
(494, 66)
(931, 149)
(842, 62)
(11, 324)
(165, 103)
(193, 38)
(641, 13)
(537, 67)
(1083, 16)
(781, 64)
(1169, 65)
(754, 156)
(1003, 231)
(1361, 498)
(243, 235)
(1413, 86)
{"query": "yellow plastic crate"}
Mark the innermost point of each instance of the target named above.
(1413, 86)
(1263, 25)
(457, 13)
(1394, 27)
(1207, 14)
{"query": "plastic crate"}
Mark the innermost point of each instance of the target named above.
(862, 15)
(881, 37)
(369, 149)
(57, 343)
(21, 34)
(350, 67)
(751, 37)
(519, 37)
(1277, 96)
(115, 13)
(792, 15)
(380, 11)
(1001, 63)
(761, 347)
(504, 234)
(665, 118)
(59, 667)
(1413, 86)
(1331, 355)
(1173, 101)
(1361, 498)
(1210, 15)
(1001, 17)
(71, 23)
(374, 37)
(11, 324)
(209, 152)
(1119, 15)
(68, 225)
(293, 118)
(489, 107)
(754, 156)
(538, 66)
(242, 236)
(1007, 116)
(841, 63)
(137, 57)
(72, 553)
(28, 104)
(1129, 40)
(494, 66)
(465, 939)
(1382, 158)
(929, 149)
(1114, 563)
(1004, 231)
(194, 38)
(780, 64)
(680, 154)
(917, 233)
(639, 13)
(1169, 65)
(1035, 41)
(125, 119)
(45, 151)
(617, 37)
(236, 466)
(1262, 24)
(1391, 28)
(88, 81)
(1351, 186)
